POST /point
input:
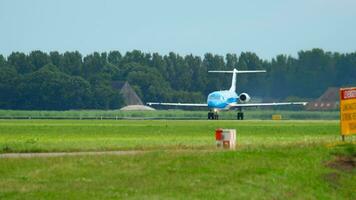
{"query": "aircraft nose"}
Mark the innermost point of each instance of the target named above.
(212, 103)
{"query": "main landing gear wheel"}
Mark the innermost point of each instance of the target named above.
(240, 116)
(213, 116)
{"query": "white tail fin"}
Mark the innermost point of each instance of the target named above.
(234, 72)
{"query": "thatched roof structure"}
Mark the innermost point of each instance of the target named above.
(127, 92)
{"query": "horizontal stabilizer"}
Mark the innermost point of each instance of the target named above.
(234, 72)
(238, 71)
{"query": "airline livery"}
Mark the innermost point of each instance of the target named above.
(228, 99)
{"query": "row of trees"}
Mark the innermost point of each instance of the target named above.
(70, 81)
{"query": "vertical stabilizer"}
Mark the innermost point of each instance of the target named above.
(233, 81)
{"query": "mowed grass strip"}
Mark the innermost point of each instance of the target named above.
(52, 135)
(101, 135)
(287, 172)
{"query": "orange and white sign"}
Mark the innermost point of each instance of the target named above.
(348, 111)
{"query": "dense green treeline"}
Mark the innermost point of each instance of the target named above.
(61, 81)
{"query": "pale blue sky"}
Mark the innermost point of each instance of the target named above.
(184, 26)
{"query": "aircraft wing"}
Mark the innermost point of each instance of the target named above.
(231, 105)
(178, 104)
(266, 104)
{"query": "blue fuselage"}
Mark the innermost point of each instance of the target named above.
(222, 99)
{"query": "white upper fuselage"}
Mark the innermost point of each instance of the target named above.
(221, 100)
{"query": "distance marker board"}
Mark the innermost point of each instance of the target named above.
(348, 111)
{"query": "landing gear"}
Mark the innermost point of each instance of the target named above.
(213, 115)
(240, 115)
(210, 114)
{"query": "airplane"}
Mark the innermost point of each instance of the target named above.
(228, 99)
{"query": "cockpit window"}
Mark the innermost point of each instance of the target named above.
(215, 97)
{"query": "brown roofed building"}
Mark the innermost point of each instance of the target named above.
(328, 101)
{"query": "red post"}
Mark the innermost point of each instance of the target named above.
(218, 134)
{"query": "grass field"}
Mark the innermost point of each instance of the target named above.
(251, 113)
(85, 135)
(274, 160)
